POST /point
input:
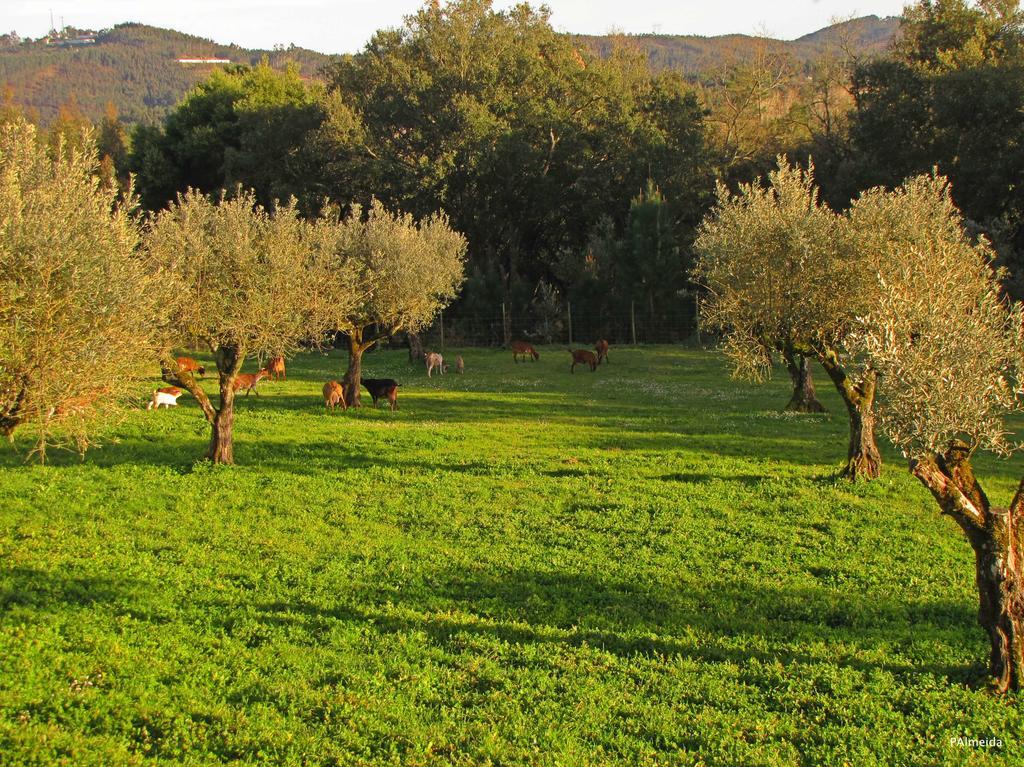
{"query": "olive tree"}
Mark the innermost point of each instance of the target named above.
(780, 277)
(949, 350)
(805, 397)
(77, 309)
(405, 272)
(243, 281)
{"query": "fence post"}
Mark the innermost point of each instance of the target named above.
(506, 326)
(442, 329)
(568, 311)
(632, 321)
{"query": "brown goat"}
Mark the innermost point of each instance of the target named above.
(582, 357)
(601, 347)
(248, 381)
(521, 348)
(275, 366)
(189, 365)
(79, 404)
(334, 395)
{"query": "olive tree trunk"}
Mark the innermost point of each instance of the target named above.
(863, 460)
(222, 440)
(356, 347)
(998, 543)
(804, 399)
(222, 419)
(415, 349)
(222, 437)
(12, 417)
(187, 381)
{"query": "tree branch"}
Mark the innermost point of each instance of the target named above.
(949, 495)
(170, 373)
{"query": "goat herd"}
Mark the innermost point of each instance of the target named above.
(378, 388)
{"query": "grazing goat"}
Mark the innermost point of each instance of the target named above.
(168, 397)
(434, 360)
(78, 404)
(601, 347)
(582, 357)
(189, 365)
(522, 348)
(276, 368)
(334, 395)
(248, 381)
(460, 365)
(382, 388)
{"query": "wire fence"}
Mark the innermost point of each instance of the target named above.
(566, 326)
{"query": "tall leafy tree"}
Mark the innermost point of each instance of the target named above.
(245, 282)
(112, 145)
(949, 347)
(244, 125)
(651, 260)
(404, 273)
(949, 35)
(779, 277)
(69, 130)
(949, 97)
(523, 139)
(10, 112)
(77, 306)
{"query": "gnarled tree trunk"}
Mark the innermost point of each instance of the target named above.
(13, 414)
(222, 420)
(187, 381)
(222, 438)
(804, 399)
(998, 542)
(863, 460)
(222, 441)
(356, 347)
(415, 349)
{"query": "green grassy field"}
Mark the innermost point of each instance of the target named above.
(649, 565)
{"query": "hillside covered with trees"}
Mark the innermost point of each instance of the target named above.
(693, 55)
(133, 66)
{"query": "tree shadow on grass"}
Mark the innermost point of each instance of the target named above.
(703, 478)
(312, 457)
(637, 428)
(173, 453)
(42, 591)
(39, 589)
(712, 624)
(708, 623)
(789, 450)
(416, 404)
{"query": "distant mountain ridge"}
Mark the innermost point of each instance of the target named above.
(135, 66)
(132, 65)
(693, 54)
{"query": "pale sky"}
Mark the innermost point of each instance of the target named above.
(344, 26)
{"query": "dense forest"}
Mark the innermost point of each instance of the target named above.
(579, 169)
